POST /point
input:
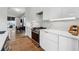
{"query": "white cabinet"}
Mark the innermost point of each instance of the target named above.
(67, 44)
(28, 31)
(57, 42)
(12, 34)
(51, 13)
(48, 41)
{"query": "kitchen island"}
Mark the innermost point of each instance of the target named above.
(57, 40)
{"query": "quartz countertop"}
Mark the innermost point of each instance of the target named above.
(62, 33)
(3, 37)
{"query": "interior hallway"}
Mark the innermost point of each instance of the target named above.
(23, 43)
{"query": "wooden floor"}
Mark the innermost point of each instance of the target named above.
(22, 43)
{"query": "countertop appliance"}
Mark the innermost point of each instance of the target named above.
(74, 30)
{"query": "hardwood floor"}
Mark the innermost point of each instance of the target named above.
(23, 43)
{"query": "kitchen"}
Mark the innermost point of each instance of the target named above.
(49, 28)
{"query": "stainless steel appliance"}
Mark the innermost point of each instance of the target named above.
(36, 33)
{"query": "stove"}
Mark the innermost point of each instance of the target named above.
(36, 33)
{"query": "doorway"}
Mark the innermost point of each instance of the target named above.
(20, 27)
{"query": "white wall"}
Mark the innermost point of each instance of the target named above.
(17, 19)
(31, 14)
(60, 25)
(3, 18)
(63, 25)
(11, 15)
(27, 17)
(17, 22)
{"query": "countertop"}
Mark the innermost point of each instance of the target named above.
(62, 33)
(2, 39)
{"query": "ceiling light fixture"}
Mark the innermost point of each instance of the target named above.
(16, 9)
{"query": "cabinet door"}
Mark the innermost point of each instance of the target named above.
(48, 41)
(51, 13)
(26, 31)
(29, 32)
(51, 45)
(67, 44)
(42, 40)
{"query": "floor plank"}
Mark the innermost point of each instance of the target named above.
(23, 43)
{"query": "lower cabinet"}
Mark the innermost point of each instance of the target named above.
(67, 44)
(51, 46)
(6, 45)
(12, 34)
(48, 42)
(55, 42)
(28, 31)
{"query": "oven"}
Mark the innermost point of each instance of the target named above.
(36, 33)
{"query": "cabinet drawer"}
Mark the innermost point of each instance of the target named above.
(48, 41)
(52, 37)
(67, 44)
(51, 46)
(48, 45)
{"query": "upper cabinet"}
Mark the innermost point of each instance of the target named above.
(51, 13)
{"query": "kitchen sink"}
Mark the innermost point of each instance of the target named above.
(2, 32)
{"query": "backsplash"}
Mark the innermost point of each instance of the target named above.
(60, 25)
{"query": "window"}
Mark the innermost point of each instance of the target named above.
(11, 18)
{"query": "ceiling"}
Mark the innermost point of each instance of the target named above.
(16, 11)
